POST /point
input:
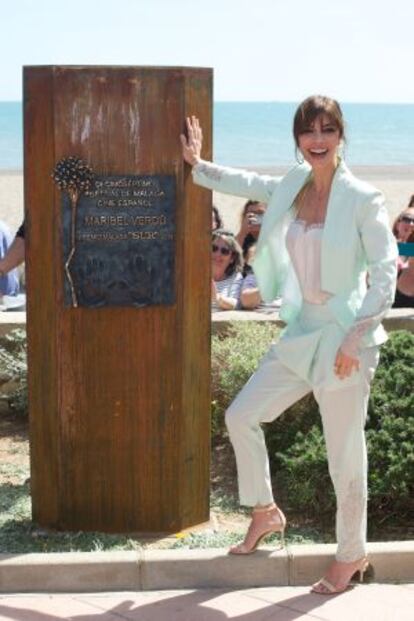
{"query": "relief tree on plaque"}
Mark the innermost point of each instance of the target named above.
(73, 176)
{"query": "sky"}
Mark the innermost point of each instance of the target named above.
(260, 50)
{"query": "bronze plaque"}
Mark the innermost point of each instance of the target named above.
(119, 242)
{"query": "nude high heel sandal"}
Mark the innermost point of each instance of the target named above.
(324, 587)
(265, 521)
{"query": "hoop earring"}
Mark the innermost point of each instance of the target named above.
(298, 156)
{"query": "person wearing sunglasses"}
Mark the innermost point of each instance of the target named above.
(323, 233)
(404, 294)
(404, 223)
(402, 228)
(227, 266)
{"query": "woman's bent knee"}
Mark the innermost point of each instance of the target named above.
(235, 418)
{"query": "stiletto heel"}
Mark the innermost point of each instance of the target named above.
(263, 524)
(359, 574)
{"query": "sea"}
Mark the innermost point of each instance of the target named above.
(260, 134)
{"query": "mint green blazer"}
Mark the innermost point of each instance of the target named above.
(357, 240)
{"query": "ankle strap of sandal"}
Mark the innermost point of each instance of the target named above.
(265, 509)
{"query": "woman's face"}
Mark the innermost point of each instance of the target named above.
(405, 224)
(222, 255)
(319, 143)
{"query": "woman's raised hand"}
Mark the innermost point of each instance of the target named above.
(192, 143)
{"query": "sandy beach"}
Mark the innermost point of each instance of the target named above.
(397, 183)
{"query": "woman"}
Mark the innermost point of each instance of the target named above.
(404, 224)
(404, 294)
(323, 232)
(227, 265)
(402, 228)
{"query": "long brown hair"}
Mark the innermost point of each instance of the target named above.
(311, 108)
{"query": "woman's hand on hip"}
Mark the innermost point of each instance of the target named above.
(345, 365)
(192, 144)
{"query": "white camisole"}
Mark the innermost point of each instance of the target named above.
(303, 243)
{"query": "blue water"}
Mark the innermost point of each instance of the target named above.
(11, 135)
(259, 133)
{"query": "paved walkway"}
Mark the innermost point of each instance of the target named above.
(374, 602)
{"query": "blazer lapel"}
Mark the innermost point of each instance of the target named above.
(282, 200)
(336, 227)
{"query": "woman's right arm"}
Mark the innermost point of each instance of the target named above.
(222, 178)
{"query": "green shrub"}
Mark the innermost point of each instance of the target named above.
(390, 428)
(391, 467)
(13, 369)
(393, 386)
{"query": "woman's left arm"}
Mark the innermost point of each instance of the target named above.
(381, 254)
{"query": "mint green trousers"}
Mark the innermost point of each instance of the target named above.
(274, 387)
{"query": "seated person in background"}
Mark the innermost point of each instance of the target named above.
(227, 265)
(250, 297)
(251, 222)
(404, 294)
(403, 227)
(15, 252)
(217, 220)
(9, 276)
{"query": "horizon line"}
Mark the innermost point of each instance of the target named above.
(277, 101)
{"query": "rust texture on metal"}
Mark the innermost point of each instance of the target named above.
(119, 396)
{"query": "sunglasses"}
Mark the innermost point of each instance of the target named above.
(407, 219)
(224, 251)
